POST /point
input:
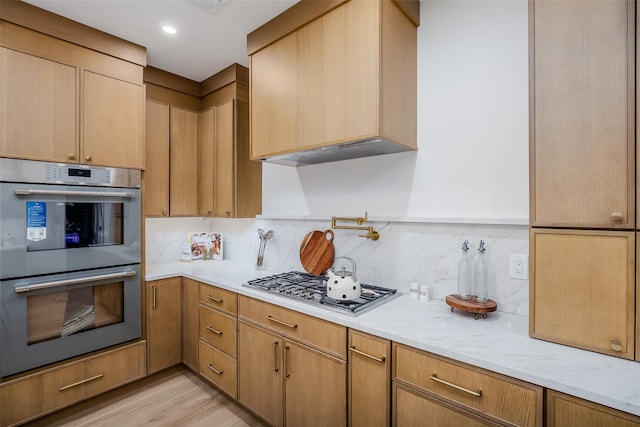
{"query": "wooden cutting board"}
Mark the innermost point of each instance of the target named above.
(316, 251)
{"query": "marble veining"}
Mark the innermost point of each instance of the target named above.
(426, 253)
(499, 343)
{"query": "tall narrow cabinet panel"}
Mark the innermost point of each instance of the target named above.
(190, 323)
(44, 95)
(583, 114)
(224, 161)
(583, 289)
(183, 163)
(156, 174)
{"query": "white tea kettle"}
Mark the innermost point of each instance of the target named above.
(343, 285)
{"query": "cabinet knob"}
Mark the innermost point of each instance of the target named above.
(87, 158)
(617, 216)
(616, 345)
(71, 156)
(228, 213)
(164, 213)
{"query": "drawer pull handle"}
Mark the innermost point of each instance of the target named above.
(616, 345)
(214, 369)
(215, 331)
(457, 387)
(617, 217)
(362, 353)
(154, 301)
(287, 374)
(67, 387)
(214, 299)
(280, 322)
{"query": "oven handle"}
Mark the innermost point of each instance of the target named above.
(29, 192)
(27, 288)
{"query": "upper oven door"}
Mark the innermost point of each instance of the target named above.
(55, 228)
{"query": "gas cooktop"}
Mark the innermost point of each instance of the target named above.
(313, 290)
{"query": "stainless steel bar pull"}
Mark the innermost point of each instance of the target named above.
(27, 288)
(31, 192)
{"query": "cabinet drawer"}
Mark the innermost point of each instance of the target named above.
(492, 394)
(218, 298)
(318, 333)
(569, 411)
(35, 395)
(218, 368)
(218, 329)
(414, 410)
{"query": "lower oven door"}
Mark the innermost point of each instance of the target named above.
(50, 318)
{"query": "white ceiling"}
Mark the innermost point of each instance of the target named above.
(203, 45)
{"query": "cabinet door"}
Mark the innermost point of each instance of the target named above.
(206, 170)
(318, 85)
(224, 161)
(190, 323)
(260, 379)
(38, 108)
(156, 174)
(568, 411)
(369, 380)
(163, 324)
(411, 409)
(183, 163)
(582, 163)
(582, 289)
(316, 387)
(112, 122)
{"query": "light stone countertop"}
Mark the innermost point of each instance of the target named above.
(500, 343)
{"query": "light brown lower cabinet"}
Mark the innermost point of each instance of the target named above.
(286, 371)
(164, 326)
(38, 394)
(569, 411)
(474, 391)
(369, 380)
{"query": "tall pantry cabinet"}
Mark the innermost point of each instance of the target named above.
(582, 167)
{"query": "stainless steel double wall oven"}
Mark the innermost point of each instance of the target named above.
(70, 251)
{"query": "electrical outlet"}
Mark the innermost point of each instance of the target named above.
(519, 266)
(157, 238)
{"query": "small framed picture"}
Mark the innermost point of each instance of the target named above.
(206, 245)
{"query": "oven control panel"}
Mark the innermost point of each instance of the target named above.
(74, 175)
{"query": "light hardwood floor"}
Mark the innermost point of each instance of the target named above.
(176, 397)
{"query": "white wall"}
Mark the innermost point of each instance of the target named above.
(472, 158)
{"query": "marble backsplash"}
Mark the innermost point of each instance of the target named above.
(423, 252)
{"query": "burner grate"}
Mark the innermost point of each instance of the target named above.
(313, 290)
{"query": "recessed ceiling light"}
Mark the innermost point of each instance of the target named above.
(169, 29)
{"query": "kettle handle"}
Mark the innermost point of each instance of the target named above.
(353, 265)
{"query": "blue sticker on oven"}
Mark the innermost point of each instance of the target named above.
(36, 221)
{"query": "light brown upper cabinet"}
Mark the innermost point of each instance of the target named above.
(583, 166)
(230, 184)
(68, 93)
(583, 114)
(183, 162)
(43, 94)
(328, 74)
(156, 174)
(112, 122)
